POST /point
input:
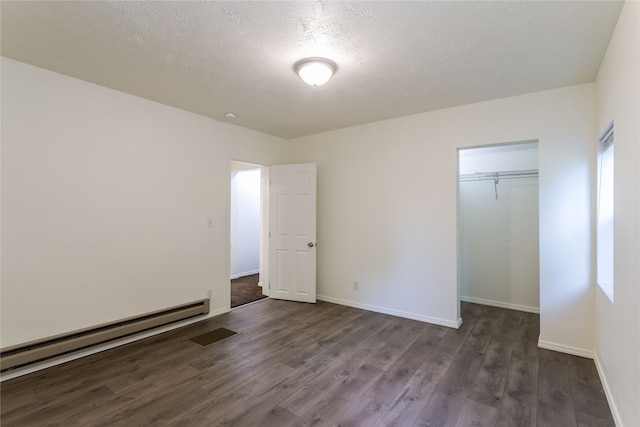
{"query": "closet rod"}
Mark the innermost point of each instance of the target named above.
(497, 176)
(493, 176)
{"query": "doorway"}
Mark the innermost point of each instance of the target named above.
(498, 226)
(245, 222)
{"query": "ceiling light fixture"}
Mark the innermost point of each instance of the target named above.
(315, 71)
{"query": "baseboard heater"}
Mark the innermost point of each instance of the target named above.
(36, 351)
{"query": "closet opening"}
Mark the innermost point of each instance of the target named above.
(245, 245)
(498, 239)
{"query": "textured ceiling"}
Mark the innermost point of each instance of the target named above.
(394, 58)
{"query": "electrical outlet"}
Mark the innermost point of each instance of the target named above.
(356, 285)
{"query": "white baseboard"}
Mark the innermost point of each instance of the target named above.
(18, 372)
(246, 273)
(383, 310)
(500, 304)
(602, 373)
(575, 351)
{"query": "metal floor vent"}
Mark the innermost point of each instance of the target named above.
(211, 337)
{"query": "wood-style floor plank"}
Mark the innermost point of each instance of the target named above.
(520, 398)
(390, 384)
(587, 389)
(409, 404)
(488, 385)
(555, 400)
(476, 414)
(293, 364)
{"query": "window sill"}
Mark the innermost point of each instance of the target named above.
(607, 289)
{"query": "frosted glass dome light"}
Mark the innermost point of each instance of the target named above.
(315, 71)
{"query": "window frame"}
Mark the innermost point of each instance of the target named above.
(605, 212)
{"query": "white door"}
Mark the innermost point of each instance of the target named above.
(292, 229)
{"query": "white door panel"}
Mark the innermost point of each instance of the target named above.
(293, 232)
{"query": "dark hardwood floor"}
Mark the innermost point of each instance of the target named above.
(293, 364)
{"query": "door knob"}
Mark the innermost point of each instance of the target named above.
(311, 244)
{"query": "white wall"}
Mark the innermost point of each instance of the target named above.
(499, 262)
(105, 200)
(245, 222)
(387, 208)
(618, 322)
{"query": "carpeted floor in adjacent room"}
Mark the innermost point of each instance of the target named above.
(245, 290)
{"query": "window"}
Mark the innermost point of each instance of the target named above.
(605, 212)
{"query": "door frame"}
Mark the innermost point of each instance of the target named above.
(264, 228)
(459, 218)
